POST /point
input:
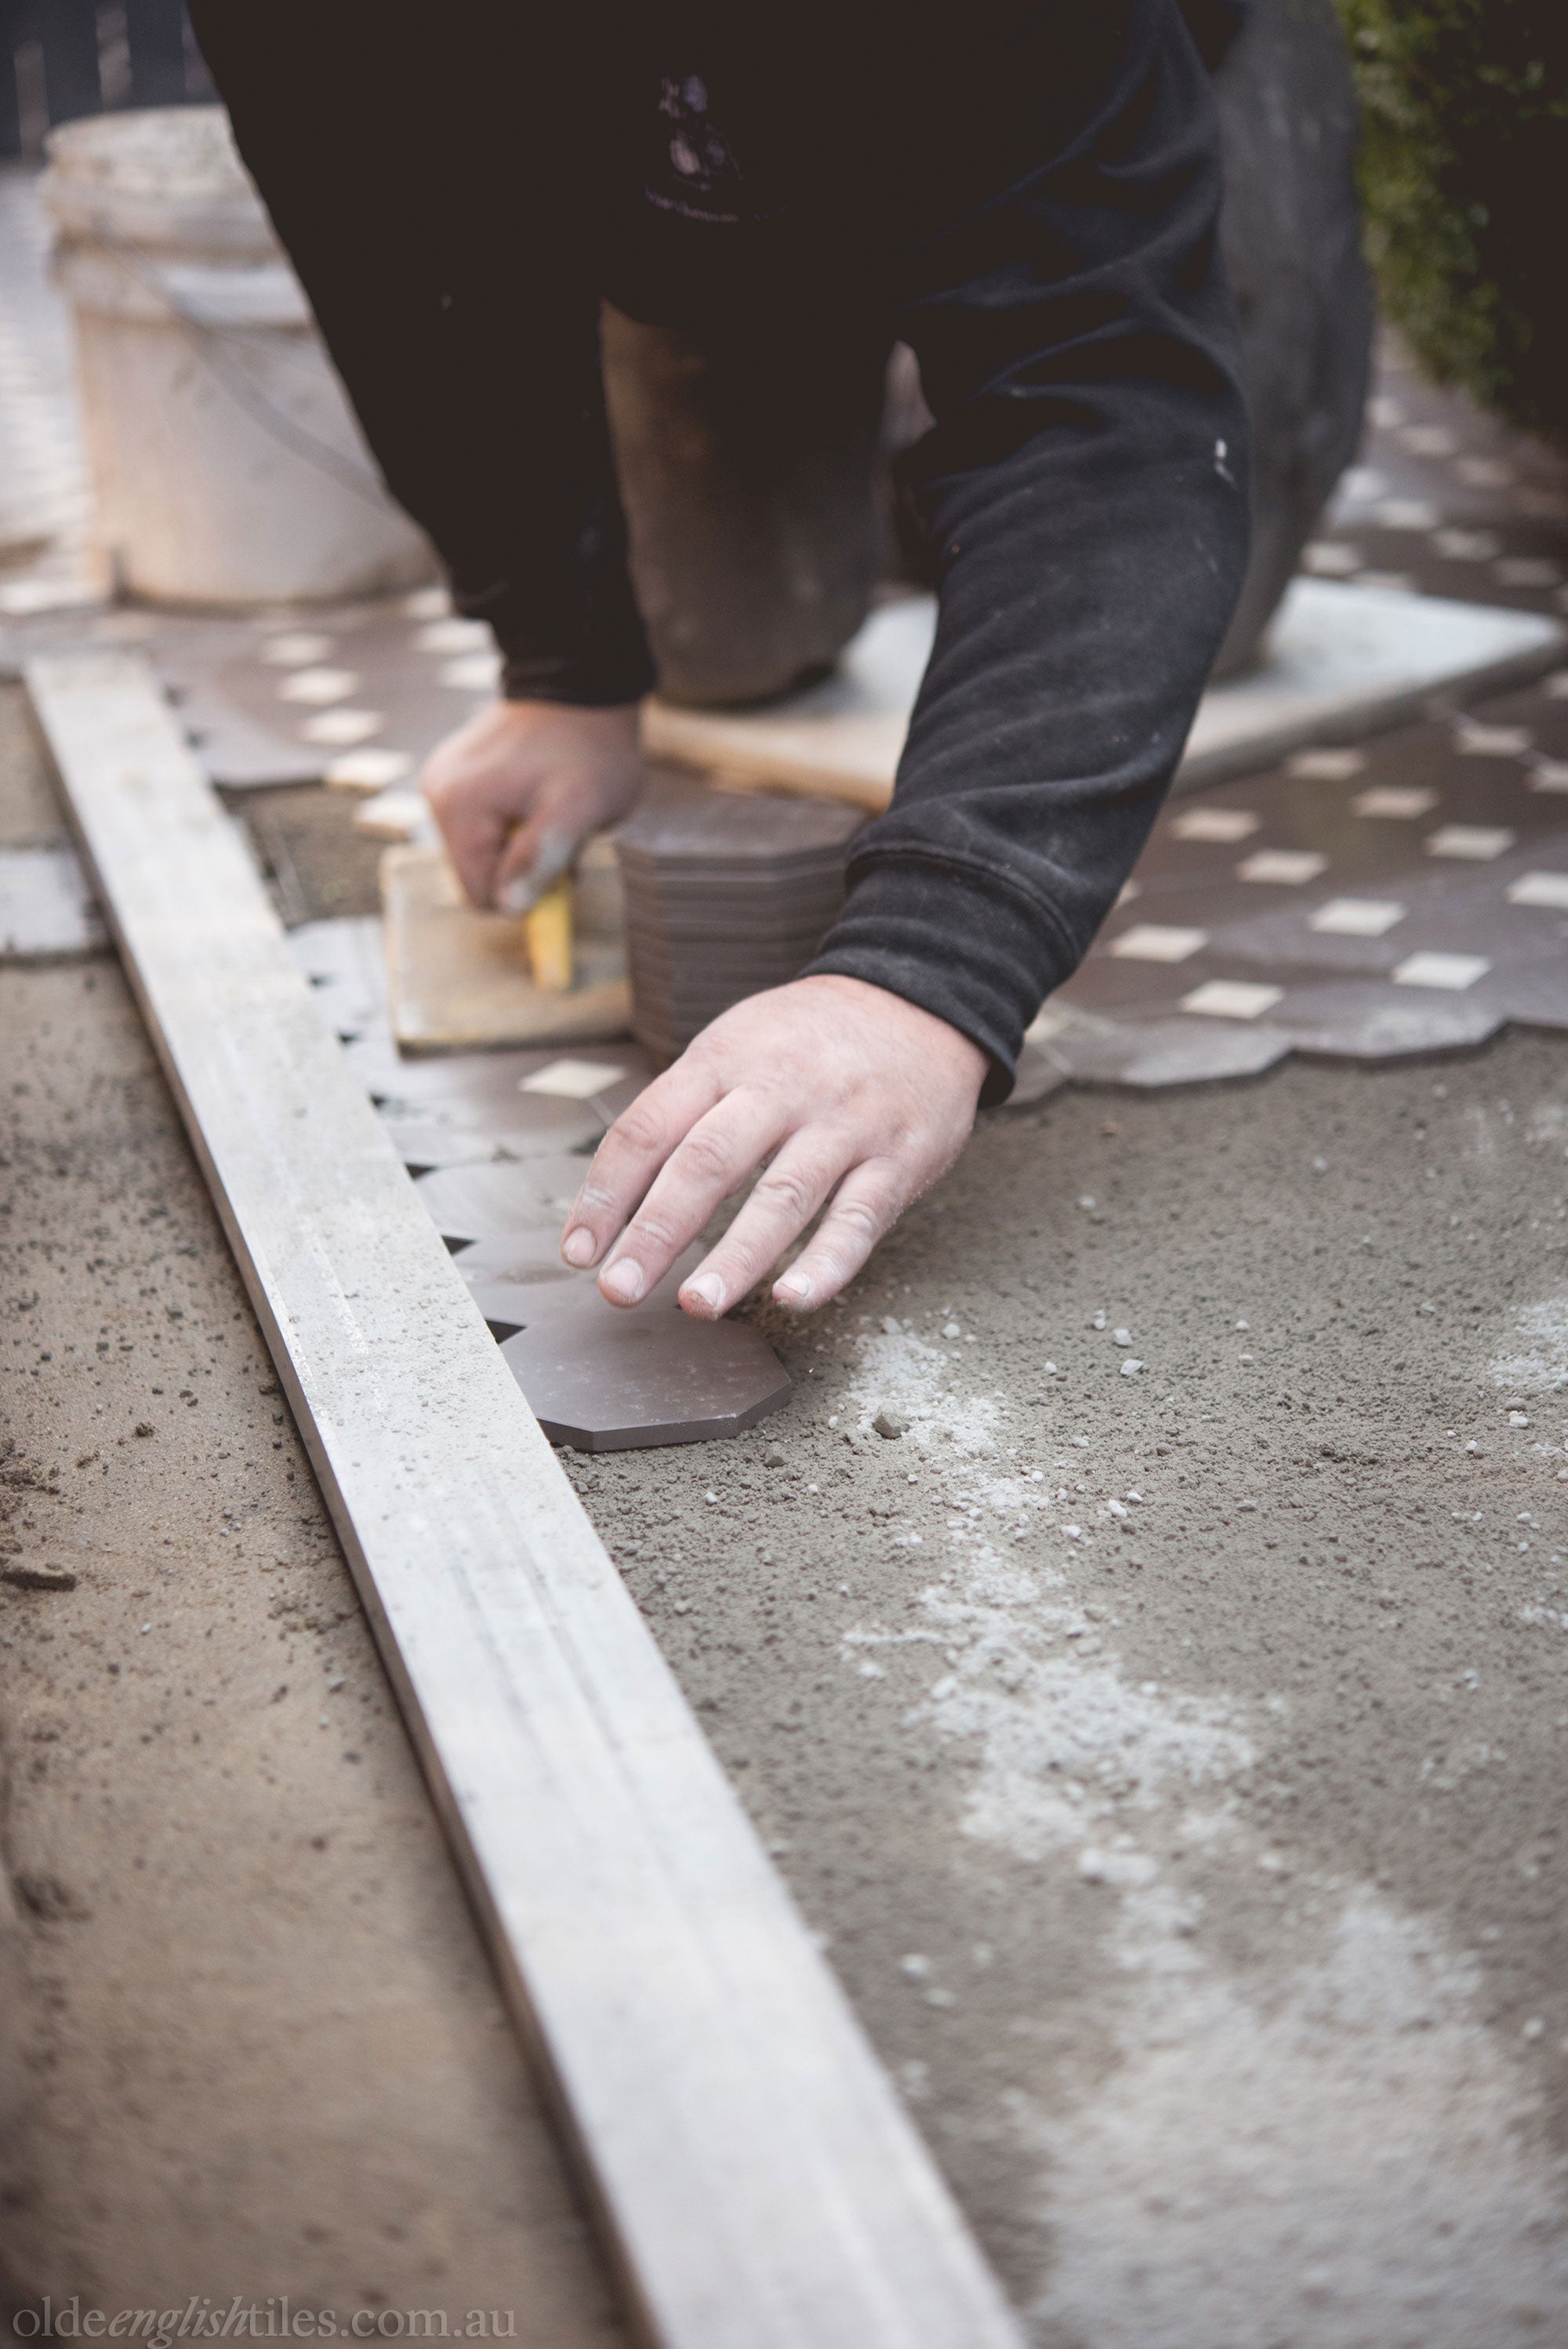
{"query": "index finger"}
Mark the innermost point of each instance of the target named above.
(629, 1158)
(475, 834)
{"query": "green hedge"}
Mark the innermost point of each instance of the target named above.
(1465, 179)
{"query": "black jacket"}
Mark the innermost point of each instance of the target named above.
(1025, 190)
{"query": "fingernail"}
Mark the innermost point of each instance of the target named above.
(792, 1289)
(578, 1246)
(520, 893)
(624, 1280)
(709, 1286)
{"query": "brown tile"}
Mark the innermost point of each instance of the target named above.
(495, 1202)
(602, 1379)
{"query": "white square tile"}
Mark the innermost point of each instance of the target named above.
(427, 603)
(1289, 867)
(318, 685)
(1128, 892)
(1556, 688)
(1452, 970)
(472, 672)
(1326, 559)
(1356, 917)
(1467, 546)
(1477, 844)
(1474, 742)
(1527, 570)
(1540, 889)
(569, 1080)
(368, 771)
(1326, 765)
(1220, 824)
(339, 728)
(1549, 775)
(295, 648)
(1398, 801)
(394, 815)
(1158, 942)
(1404, 513)
(454, 635)
(1232, 998)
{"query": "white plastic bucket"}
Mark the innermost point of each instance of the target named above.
(227, 466)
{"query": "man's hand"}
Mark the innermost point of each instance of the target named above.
(841, 1090)
(518, 790)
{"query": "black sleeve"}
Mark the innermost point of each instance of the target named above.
(425, 182)
(1085, 489)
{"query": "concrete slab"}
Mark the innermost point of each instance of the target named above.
(1343, 661)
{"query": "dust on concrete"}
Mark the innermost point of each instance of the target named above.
(252, 2045)
(1165, 1728)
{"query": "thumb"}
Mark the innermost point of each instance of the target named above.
(534, 861)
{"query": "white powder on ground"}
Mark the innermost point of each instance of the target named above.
(1346, 2158)
(1544, 1369)
(1354, 2165)
(907, 1374)
(1063, 1734)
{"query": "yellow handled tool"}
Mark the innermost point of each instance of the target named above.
(548, 928)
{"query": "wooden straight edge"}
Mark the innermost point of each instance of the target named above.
(759, 2184)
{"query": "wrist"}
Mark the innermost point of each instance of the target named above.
(610, 720)
(917, 1027)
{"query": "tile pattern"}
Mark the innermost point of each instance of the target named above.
(1407, 897)
(498, 1143)
(1447, 501)
(360, 699)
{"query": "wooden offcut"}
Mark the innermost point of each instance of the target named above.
(461, 980)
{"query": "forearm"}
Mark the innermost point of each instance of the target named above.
(1086, 491)
(1085, 600)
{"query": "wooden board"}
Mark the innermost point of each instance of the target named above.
(757, 2179)
(458, 980)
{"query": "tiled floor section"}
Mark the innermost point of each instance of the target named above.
(1401, 898)
(1448, 501)
(500, 1142)
(1361, 904)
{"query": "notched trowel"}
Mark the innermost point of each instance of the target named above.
(461, 980)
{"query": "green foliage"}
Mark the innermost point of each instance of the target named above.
(1465, 179)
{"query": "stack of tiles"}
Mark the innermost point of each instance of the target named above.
(725, 895)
